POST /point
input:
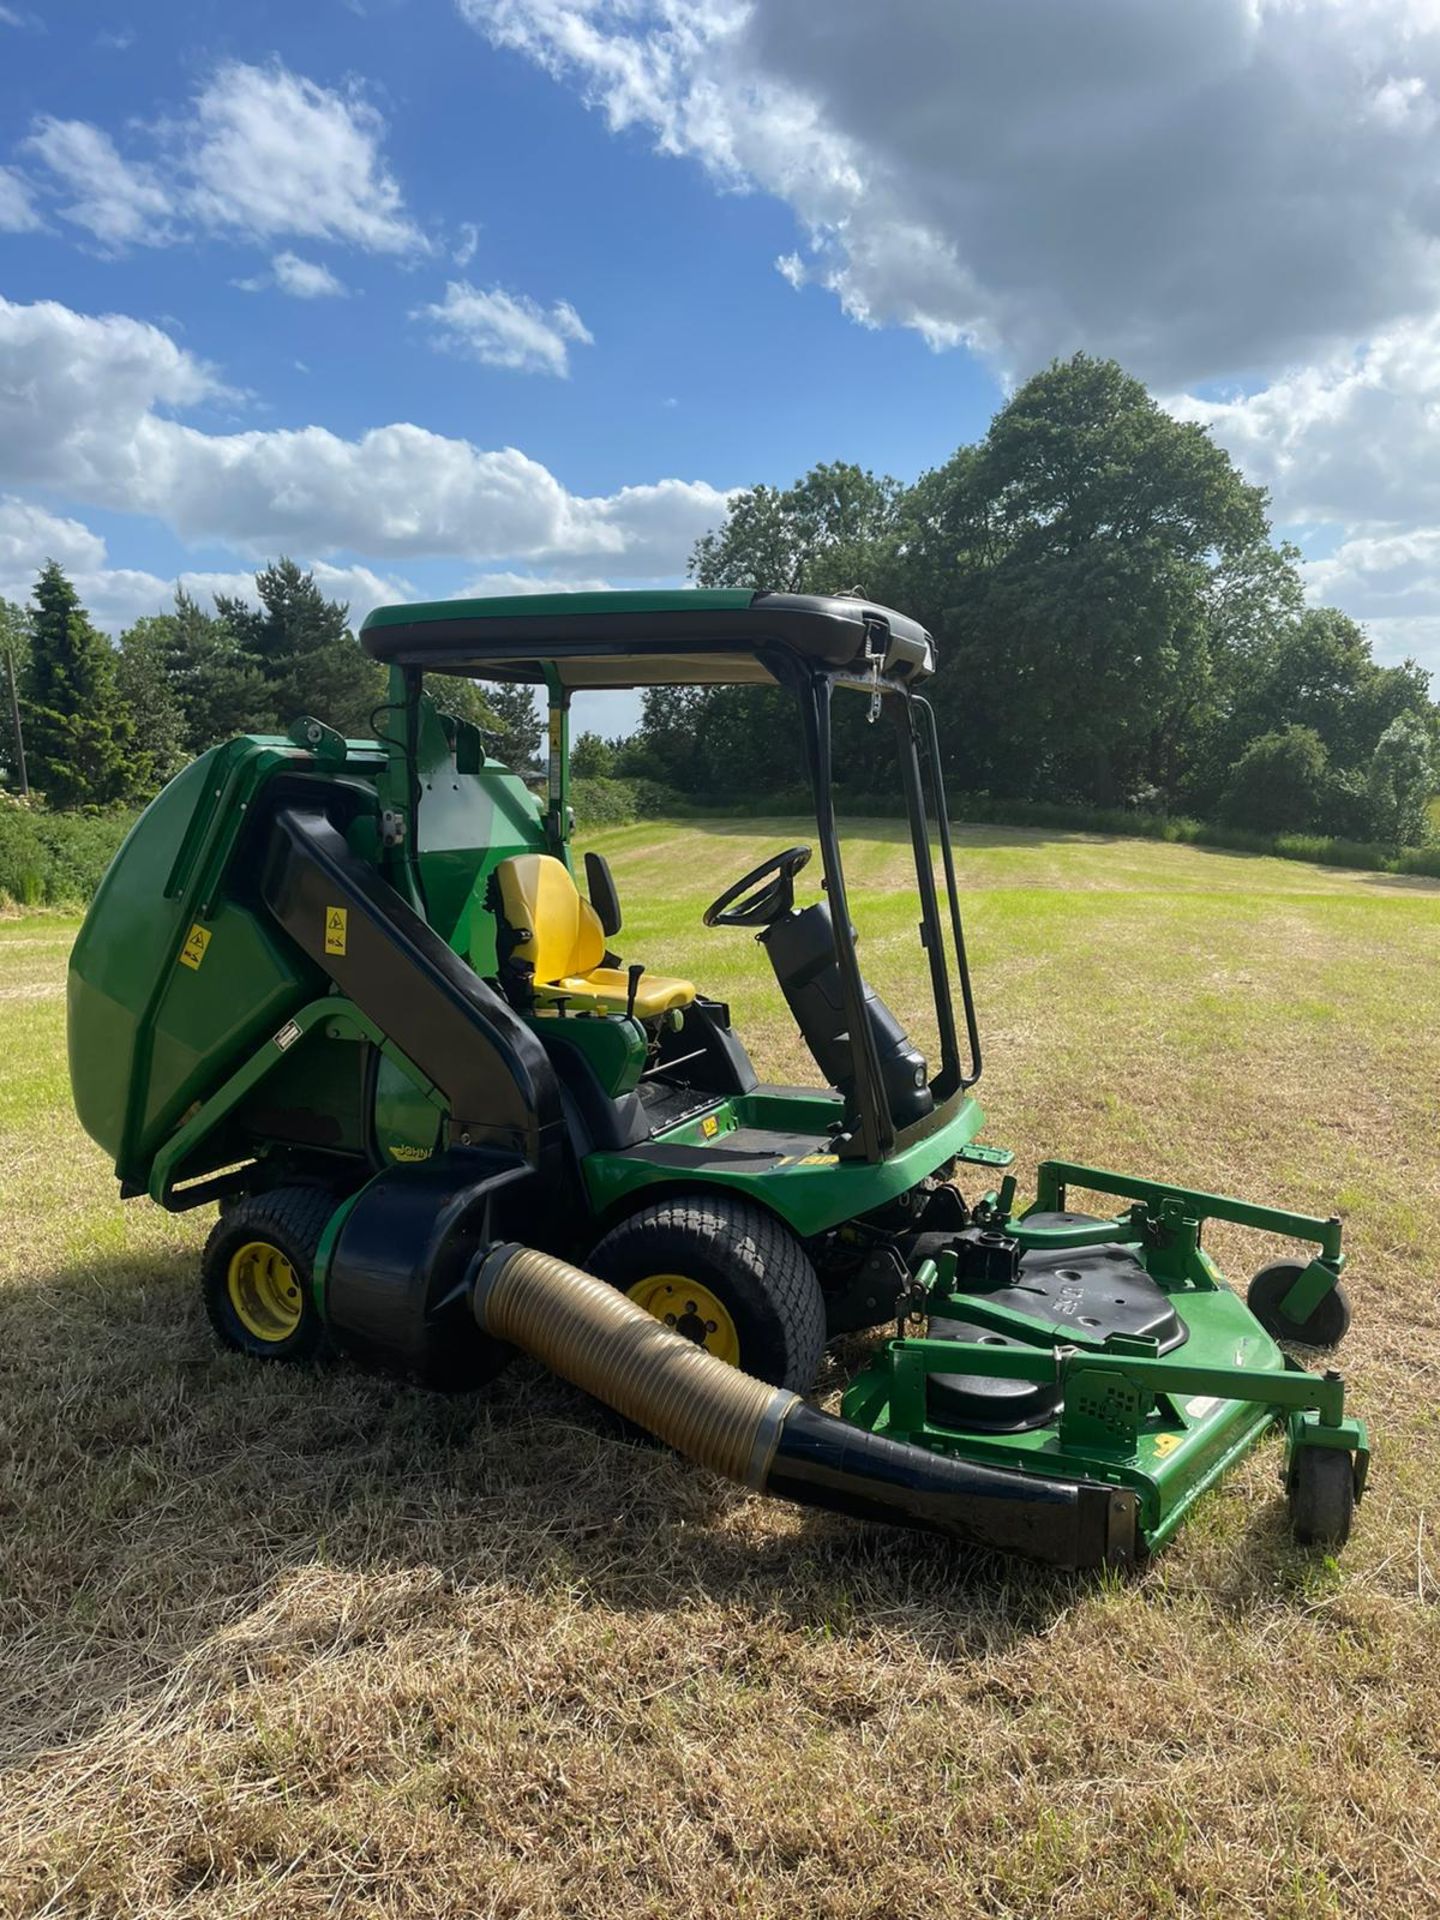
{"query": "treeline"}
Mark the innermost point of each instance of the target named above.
(103, 725)
(1117, 629)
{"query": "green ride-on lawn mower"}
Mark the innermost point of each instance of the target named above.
(350, 990)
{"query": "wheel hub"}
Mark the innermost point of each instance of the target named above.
(264, 1290)
(692, 1310)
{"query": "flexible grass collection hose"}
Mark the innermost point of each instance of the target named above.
(768, 1438)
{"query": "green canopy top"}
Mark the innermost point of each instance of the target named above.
(684, 637)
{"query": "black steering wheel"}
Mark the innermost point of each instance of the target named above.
(760, 905)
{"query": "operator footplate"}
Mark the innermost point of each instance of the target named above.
(1096, 1291)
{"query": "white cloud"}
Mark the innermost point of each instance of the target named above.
(114, 596)
(502, 329)
(272, 153)
(30, 535)
(263, 154)
(17, 211)
(121, 203)
(305, 279)
(1350, 446)
(1193, 188)
(84, 409)
(464, 250)
(490, 586)
(1351, 438)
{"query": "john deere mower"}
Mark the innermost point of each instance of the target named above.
(351, 991)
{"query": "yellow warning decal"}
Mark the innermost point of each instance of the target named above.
(193, 951)
(1166, 1443)
(336, 919)
(709, 1126)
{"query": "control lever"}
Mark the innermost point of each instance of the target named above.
(634, 971)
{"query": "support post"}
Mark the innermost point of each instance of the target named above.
(15, 726)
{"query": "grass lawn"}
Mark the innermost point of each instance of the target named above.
(275, 1644)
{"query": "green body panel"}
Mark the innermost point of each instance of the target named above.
(614, 1046)
(809, 1187)
(407, 1123)
(469, 823)
(1165, 1428)
(148, 1035)
(152, 1036)
(541, 606)
(315, 1046)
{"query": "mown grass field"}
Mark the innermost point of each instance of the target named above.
(321, 1645)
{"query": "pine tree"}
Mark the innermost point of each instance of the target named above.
(78, 735)
(302, 642)
(218, 686)
(512, 733)
(153, 706)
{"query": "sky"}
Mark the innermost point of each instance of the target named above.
(474, 296)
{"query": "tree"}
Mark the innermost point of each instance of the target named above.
(513, 731)
(829, 533)
(78, 734)
(592, 758)
(1400, 782)
(305, 651)
(220, 687)
(156, 716)
(1076, 564)
(1278, 785)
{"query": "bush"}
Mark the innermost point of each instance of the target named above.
(616, 803)
(1279, 783)
(55, 859)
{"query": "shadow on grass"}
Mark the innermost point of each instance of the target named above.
(158, 1491)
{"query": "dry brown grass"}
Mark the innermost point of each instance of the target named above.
(322, 1645)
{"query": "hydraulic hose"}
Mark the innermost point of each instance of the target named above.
(768, 1438)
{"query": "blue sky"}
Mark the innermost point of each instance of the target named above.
(444, 294)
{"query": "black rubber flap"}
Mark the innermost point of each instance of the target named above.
(1097, 1291)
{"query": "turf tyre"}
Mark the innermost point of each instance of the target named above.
(748, 1259)
(291, 1219)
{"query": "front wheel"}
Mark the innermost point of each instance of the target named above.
(726, 1275)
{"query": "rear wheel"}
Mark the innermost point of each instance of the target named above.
(728, 1276)
(258, 1270)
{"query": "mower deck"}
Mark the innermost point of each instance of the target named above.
(1130, 1365)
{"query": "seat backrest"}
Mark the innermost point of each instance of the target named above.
(552, 927)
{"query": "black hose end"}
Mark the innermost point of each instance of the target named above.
(824, 1462)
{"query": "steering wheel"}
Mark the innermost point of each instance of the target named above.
(759, 904)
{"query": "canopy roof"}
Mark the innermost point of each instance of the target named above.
(681, 638)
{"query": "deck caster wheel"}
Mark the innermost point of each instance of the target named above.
(1326, 1326)
(1321, 1496)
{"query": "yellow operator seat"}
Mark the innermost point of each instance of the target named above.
(556, 935)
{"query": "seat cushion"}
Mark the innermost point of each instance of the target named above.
(608, 990)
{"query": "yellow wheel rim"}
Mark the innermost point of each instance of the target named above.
(265, 1291)
(692, 1309)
